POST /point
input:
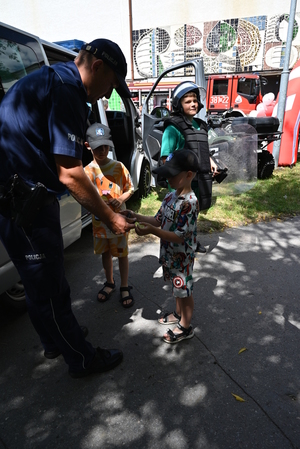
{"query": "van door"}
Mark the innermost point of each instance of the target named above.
(20, 54)
(124, 122)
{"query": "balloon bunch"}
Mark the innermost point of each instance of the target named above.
(265, 109)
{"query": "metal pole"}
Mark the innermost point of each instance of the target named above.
(130, 40)
(284, 79)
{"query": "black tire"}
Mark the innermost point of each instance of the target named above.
(145, 179)
(265, 164)
(14, 298)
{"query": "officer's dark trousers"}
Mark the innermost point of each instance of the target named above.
(37, 253)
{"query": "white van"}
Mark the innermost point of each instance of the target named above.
(22, 53)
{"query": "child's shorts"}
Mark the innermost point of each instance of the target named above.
(182, 281)
(118, 246)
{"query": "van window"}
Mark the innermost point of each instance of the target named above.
(17, 60)
(54, 56)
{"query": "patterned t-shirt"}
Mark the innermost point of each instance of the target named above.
(178, 214)
(111, 180)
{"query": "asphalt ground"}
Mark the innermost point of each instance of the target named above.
(169, 396)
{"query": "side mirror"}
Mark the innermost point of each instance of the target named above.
(252, 98)
(160, 112)
(257, 88)
(264, 81)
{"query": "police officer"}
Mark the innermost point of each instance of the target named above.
(43, 119)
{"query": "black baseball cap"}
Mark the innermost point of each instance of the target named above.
(177, 162)
(98, 135)
(112, 55)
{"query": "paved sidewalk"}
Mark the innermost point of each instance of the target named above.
(170, 396)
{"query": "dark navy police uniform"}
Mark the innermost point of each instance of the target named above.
(43, 114)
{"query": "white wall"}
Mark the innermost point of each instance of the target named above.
(56, 20)
(172, 12)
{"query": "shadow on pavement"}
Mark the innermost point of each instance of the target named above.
(170, 396)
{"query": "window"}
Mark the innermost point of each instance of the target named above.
(220, 87)
(54, 56)
(246, 86)
(16, 61)
(115, 103)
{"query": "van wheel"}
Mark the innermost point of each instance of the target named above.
(145, 179)
(14, 298)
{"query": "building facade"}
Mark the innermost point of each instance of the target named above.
(230, 35)
(247, 44)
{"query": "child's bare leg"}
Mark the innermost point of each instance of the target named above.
(124, 270)
(186, 306)
(171, 317)
(107, 263)
(108, 270)
(178, 307)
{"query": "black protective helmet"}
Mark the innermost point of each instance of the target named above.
(182, 89)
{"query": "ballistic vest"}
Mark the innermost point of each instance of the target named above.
(195, 139)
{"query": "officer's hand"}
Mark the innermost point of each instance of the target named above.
(121, 224)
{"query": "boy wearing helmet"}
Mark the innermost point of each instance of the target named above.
(183, 130)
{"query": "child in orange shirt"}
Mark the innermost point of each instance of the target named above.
(115, 186)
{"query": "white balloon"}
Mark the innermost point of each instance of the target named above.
(267, 101)
(268, 97)
(260, 107)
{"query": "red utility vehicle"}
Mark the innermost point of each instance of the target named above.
(238, 93)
